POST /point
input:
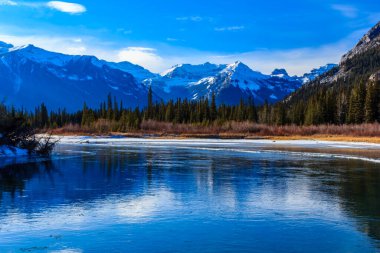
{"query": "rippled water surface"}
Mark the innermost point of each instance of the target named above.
(181, 198)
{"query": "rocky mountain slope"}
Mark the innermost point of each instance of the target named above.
(31, 76)
(229, 83)
(348, 93)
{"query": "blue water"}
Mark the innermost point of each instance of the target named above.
(176, 199)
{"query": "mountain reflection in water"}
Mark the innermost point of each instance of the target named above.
(106, 188)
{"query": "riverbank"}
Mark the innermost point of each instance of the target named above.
(347, 150)
(198, 142)
(230, 136)
(236, 130)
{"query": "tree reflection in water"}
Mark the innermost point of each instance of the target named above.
(112, 171)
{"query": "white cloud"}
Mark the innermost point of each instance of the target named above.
(124, 31)
(78, 40)
(146, 57)
(66, 7)
(76, 50)
(296, 61)
(346, 10)
(8, 2)
(67, 251)
(191, 18)
(71, 8)
(229, 28)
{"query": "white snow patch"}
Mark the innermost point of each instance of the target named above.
(273, 97)
(114, 87)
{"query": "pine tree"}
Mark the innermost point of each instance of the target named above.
(252, 112)
(115, 114)
(372, 103)
(150, 104)
(109, 107)
(44, 117)
(87, 118)
(280, 114)
(356, 105)
(213, 109)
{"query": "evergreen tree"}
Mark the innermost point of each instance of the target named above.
(109, 107)
(150, 104)
(213, 109)
(356, 104)
(88, 117)
(372, 102)
(252, 112)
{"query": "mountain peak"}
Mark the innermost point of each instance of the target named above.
(371, 35)
(280, 72)
(238, 66)
(5, 47)
(370, 40)
(238, 69)
(190, 71)
(29, 47)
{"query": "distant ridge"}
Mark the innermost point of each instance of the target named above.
(32, 75)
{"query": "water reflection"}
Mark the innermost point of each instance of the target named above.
(97, 189)
(13, 177)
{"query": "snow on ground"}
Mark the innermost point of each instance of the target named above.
(304, 148)
(245, 142)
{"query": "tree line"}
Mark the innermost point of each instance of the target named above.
(354, 99)
(361, 104)
(113, 116)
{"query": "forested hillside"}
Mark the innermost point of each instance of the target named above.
(348, 94)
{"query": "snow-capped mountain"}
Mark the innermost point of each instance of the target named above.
(138, 72)
(31, 75)
(281, 73)
(230, 82)
(4, 47)
(193, 72)
(308, 77)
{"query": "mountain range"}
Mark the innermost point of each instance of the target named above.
(31, 76)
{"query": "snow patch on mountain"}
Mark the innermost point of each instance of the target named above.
(193, 72)
(315, 73)
(229, 82)
(31, 73)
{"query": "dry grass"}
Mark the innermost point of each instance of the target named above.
(328, 138)
(237, 130)
(72, 130)
(248, 128)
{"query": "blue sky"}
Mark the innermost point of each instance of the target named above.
(297, 35)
